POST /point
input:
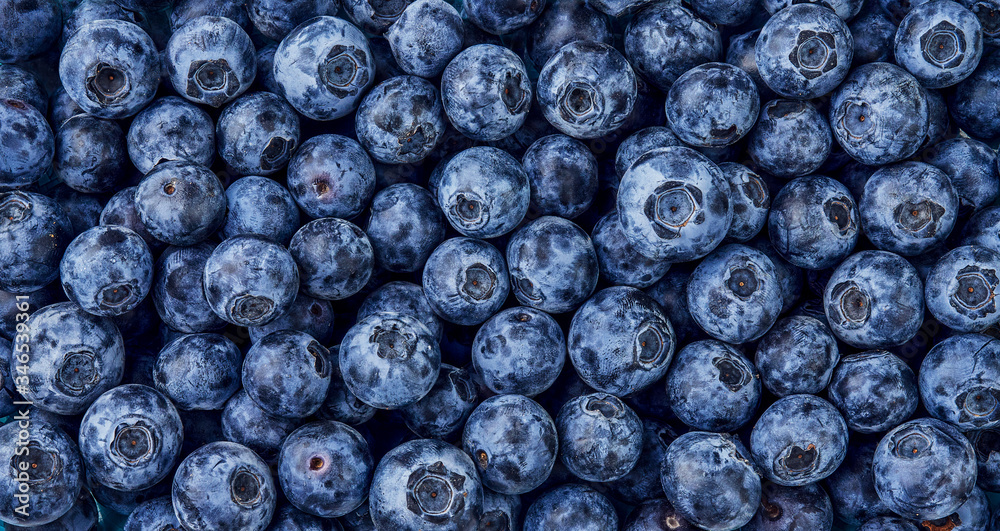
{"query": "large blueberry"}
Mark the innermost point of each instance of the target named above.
(178, 289)
(563, 22)
(852, 486)
(665, 40)
(519, 351)
(27, 28)
(486, 92)
(257, 133)
(157, 513)
(972, 102)
(711, 386)
(814, 222)
(400, 120)
(171, 129)
(983, 229)
(276, 19)
(324, 468)
(600, 438)
(89, 154)
(34, 233)
(244, 422)
(484, 192)
(503, 16)
(962, 287)
(250, 280)
(258, 205)
(124, 278)
(402, 297)
(791, 138)
(198, 371)
(425, 37)
(960, 381)
(787, 508)
(553, 265)
(712, 105)
(48, 463)
(571, 507)
(562, 174)
(751, 201)
(465, 281)
(875, 391)
(375, 16)
(181, 202)
(210, 60)
(971, 166)
(619, 261)
(797, 356)
(799, 440)
(404, 228)
(29, 144)
(987, 446)
(331, 176)
(939, 42)
(442, 412)
(300, 387)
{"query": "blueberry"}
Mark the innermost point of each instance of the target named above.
(971, 167)
(324, 67)
(641, 142)
(426, 484)
(845, 9)
(519, 351)
(375, 16)
(171, 129)
(563, 176)
(873, 32)
(500, 511)
(563, 22)
(798, 440)
(186, 10)
(325, 468)
(924, 469)
(961, 288)
(29, 28)
(198, 371)
(300, 387)
(814, 222)
(89, 154)
(486, 92)
(971, 103)
(484, 192)
(502, 16)
(157, 513)
(553, 264)
(987, 446)
(587, 89)
(652, 513)
(571, 507)
(874, 299)
(17, 83)
(960, 381)
(123, 281)
(258, 205)
(389, 360)
(674, 204)
(402, 297)
(791, 138)
(244, 422)
(442, 412)
(712, 105)
(181, 202)
(600, 438)
(785, 508)
(62, 107)
(665, 40)
(908, 219)
(465, 281)
(875, 391)
(973, 514)
(51, 465)
(879, 114)
(178, 289)
(751, 201)
(643, 481)
(223, 485)
(619, 261)
(29, 145)
(797, 356)
(425, 37)
(250, 281)
(986, 12)
(340, 404)
(334, 257)
(852, 486)
(34, 231)
(982, 229)
(939, 42)
(210, 60)
(111, 68)
(331, 176)
(711, 386)
(306, 314)
(400, 120)
(278, 19)
(257, 133)
(710, 480)
(404, 228)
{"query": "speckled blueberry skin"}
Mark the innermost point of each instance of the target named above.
(845, 9)
(186, 10)
(783, 508)
(257, 133)
(465, 281)
(879, 114)
(130, 437)
(306, 314)
(29, 256)
(181, 202)
(404, 227)
(983, 229)
(791, 138)
(804, 51)
(797, 356)
(734, 294)
(17, 83)
(587, 89)
(425, 37)
(620, 262)
(53, 468)
(400, 120)
(29, 28)
(873, 32)
(600, 438)
(665, 40)
(249, 280)
(29, 144)
(120, 284)
(389, 360)
(971, 167)
(711, 386)
(852, 486)
(641, 142)
(278, 19)
(563, 176)
(486, 92)
(177, 290)
(674, 204)
(75, 356)
(340, 404)
(324, 468)
(499, 17)
(89, 154)
(970, 104)
(908, 208)
(402, 297)
(987, 446)
(300, 387)
(553, 264)
(874, 299)
(519, 351)
(157, 513)
(799, 440)
(712, 105)
(571, 507)
(875, 391)
(513, 442)
(813, 222)
(331, 176)
(484, 192)
(171, 129)
(960, 380)
(620, 341)
(375, 16)
(939, 42)
(111, 68)
(563, 22)
(751, 201)
(442, 412)
(324, 67)
(334, 257)
(961, 287)
(223, 486)
(198, 371)
(710, 480)
(261, 206)
(210, 60)
(925, 469)
(426, 484)
(244, 422)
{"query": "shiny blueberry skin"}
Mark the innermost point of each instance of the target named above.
(791, 138)
(600, 438)
(571, 507)
(306, 314)
(442, 412)
(389, 360)
(198, 371)
(324, 468)
(244, 422)
(799, 440)
(710, 480)
(563, 22)
(909, 218)
(960, 381)
(587, 89)
(875, 391)
(34, 233)
(261, 206)
(223, 486)
(75, 357)
(400, 120)
(171, 129)
(939, 42)
(619, 261)
(852, 486)
(249, 280)
(666, 40)
(563, 176)
(924, 469)
(405, 227)
(334, 257)
(29, 28)
(961, 289)
(111, 68)
(89, 154)
(122, 281)
(814, 222)
(157, 513)
(28, 143)
(178, 289)
(498, 17)
(674, 204)
(486, 92)
(513, 442)
(130, 437)
(426, 484)
(797, 356)
(425, 37)
(53, 467)
(874, 299)
(879, 114)
(465, 281)
(257, 133)
(971, 167)
(711, 386)
(786, 508)
(971, 103)
(210, 60)
(331, 176)
(17, 83)
(712, 105)
(181, 202)
(484, 192)
(519, 351)
(300, 387)
(641, 142)
(553, 264)
(402, 297)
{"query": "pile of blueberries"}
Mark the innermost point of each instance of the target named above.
(499, 265)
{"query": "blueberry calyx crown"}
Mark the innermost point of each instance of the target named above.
(798, 460)
(15, 208)
(341, 72)
(212, 81)
(978, 405)
(276, 152)
(107, 84)
(814, 54)
(251, 310)
(41, 464)
(479, 282)
(839, 214)
(513, 96)
(732, 372)
(78, 373)
(974, 290)
(435, 493)
(393, 342)
(607, 406)
(919, 216)
(651, 344)
(854, 304)
(134, 443)
(245, 488)
(943, 45)
(672, 206)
